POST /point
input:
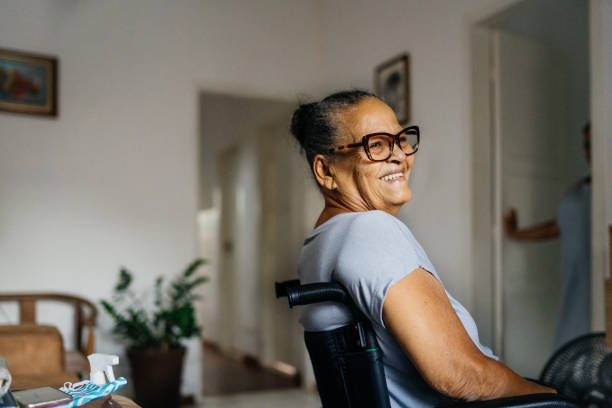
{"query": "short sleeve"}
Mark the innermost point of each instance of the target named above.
(375, 254)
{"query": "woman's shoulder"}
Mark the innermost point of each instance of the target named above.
(379, 215)
(373, 217)
(374, 230)
(376, 222)
(356, 221)
(377, 233)
(371, 228)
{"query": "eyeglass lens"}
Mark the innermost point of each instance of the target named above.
(381, 146)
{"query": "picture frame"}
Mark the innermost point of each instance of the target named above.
(392, 85)
(28, 83)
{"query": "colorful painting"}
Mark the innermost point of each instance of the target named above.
(392, 83)
(28, 83)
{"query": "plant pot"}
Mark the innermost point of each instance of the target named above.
(157, 376)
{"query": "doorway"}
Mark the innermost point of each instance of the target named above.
(257, 186)
(531, 101)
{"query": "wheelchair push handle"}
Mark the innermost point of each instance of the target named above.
(281, 287)
(298, 294)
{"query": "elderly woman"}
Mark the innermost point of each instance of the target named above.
(361, 159)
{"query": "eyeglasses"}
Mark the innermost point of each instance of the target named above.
(379, 146)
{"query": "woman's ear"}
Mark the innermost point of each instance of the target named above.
(323, 172)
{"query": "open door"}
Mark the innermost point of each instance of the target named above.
(531, 132)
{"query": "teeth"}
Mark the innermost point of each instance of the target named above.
(392, 177)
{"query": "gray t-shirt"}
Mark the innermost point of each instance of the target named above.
(574, 219)
(368, 252)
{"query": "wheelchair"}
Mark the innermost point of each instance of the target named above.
(348, 364)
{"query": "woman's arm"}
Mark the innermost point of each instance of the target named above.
(420, 316)
(545, 230)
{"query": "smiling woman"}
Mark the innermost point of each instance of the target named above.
(359, 154)
(361, 159)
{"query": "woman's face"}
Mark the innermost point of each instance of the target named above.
(361, 184)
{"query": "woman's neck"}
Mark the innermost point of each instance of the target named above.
(334, 207)
(329, 211)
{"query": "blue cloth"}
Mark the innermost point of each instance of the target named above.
(368, 252)
(574, 220)
(90, 391)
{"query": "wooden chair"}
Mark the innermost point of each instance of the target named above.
(85, 314)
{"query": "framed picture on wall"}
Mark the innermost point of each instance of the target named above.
(392, 84)
(28, 83)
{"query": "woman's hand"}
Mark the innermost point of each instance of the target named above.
(421, 318)
(543, 231)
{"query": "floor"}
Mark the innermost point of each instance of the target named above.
(233, 383)
(288, 398)
(223, 375)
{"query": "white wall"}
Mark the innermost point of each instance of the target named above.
(113, 180)
(361, 34)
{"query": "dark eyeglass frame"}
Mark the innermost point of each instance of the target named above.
(394, 139)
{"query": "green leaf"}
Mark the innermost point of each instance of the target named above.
(193, 267)
(198, 281)
(125, 279)
(158, 291)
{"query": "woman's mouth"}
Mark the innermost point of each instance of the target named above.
(393, 177)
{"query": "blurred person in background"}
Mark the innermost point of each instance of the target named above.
(573, 226)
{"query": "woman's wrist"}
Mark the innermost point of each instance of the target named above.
(545, 390)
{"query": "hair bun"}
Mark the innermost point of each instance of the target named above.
(313, 124)
(301, 120)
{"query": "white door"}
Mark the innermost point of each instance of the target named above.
(531, 125)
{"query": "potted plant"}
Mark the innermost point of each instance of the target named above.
(154, 335)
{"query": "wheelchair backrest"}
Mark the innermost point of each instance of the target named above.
(346, 361)
(347, 375)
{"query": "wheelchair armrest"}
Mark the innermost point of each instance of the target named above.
(522, 401)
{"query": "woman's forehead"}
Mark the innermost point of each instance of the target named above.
(370, 116)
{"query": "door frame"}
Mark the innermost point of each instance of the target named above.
(486, 193)
(600, 26)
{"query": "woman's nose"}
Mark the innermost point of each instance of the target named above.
(397, 154)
